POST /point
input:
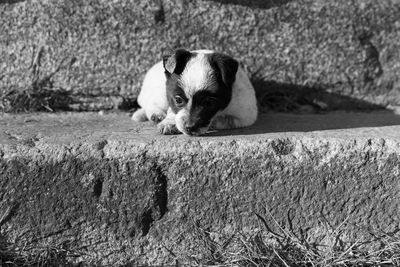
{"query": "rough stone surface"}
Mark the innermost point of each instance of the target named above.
(119, 192)
(105, 47)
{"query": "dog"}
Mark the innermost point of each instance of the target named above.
(191, 92)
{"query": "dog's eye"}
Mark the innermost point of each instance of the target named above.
(210, 101)
(178, 100)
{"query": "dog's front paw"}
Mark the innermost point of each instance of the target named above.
(157, 117)
(139, 115)
(167, 128)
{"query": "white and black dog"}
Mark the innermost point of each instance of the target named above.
(191, 91)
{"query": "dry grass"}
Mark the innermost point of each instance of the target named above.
(272, 244)
(286, 247)
(42, 95)
(29, 255)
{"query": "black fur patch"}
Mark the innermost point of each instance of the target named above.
(173, 89)
(225, 66)
(204, 106)
(176, 62)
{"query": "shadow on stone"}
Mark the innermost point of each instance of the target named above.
(10, 1)
(308, 108)
(285, 97)
(265, 4)
(281, 123)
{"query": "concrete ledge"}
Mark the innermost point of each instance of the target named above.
(119, 192)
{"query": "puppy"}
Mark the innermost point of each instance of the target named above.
(191, 92)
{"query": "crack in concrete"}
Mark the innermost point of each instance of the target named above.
(146, 221)
(161, 194)
(159, 203)
(98, 188)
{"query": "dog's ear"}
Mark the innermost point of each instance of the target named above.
(227, 66)
(176, 62)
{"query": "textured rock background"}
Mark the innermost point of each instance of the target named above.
(103, 48)
(105, 190)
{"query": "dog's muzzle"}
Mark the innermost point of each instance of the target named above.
(193, 129)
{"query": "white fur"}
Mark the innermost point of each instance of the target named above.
(241, 111)
(181, 118)
(152, 97)
(196, 75)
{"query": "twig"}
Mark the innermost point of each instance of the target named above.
(284, 262)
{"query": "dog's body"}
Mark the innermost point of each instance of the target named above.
(190, 92)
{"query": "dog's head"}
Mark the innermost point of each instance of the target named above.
(199, 84)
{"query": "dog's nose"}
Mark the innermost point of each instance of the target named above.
(190, 128)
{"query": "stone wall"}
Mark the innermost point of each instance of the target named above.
(104, 48)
